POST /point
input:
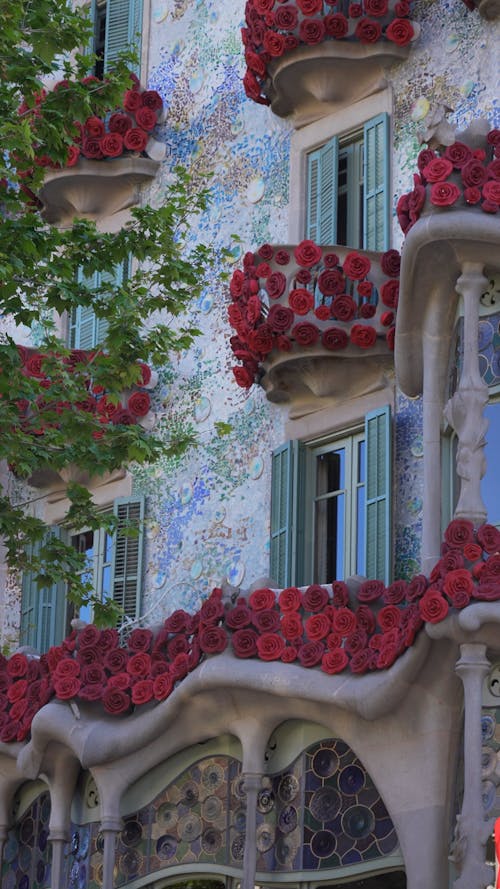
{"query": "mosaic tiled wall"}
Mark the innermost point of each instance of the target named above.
(209, 512)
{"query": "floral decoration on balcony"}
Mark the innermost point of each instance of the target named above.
(456, 176)
(37, 417)
(287, 302)
(274, 28)
(124, 132)
(328, 627)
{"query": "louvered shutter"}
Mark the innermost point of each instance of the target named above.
(378, 435)
(126, 570)
(376, 195)
(287, 478)
(123, 27)
(42, 608)
(321, 193)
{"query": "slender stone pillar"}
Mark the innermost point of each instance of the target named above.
(465, 409)
(252, 783)
(57, 875)
(473, 830)
(110, 828)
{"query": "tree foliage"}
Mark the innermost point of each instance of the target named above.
(43, 270)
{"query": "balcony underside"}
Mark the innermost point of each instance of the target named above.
(312, 81)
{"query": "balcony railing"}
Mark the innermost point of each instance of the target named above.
(311, 56)
(296, 309)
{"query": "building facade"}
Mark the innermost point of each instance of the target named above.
(305, 691)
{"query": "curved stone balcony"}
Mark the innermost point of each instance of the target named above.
(309, 58)
(314, 324)
(488, 9)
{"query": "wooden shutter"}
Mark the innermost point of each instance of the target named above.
(127, 562)
(287, 480)
(376, 195)
(42, 608)
(321, 193)
(86, 330)
(378, 494)
(123, 27)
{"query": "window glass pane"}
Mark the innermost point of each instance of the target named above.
(106, 582)
(490, 484)
(330, 472)
(329, 524)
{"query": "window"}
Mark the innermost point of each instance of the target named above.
(347, 188)
(330, 506)
(115, 569)
(85, 329)
(117, 26)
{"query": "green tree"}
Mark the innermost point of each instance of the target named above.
(43, 270)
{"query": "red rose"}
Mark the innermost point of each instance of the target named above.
(370, 591)
(139, 404)
(262, 599)
(282, 257)
(266, 621)
(140, 639)
(119, 680)
(238, 617)
(400, 31)
(178, 645)
(433, 606)
(132, 100)
(459, 532)
(305, 333)
(389, 617)
(72, 156)
(135, 139)
(340, 593)
(390, 337)
(307, 253)
(344, 308)
(280, 318)
(17, 665)
(212, 609)
(330, 260)
(252, 88)
(365, 289)
(490, 207)
(424, 158)
(263, 270)
(244, 642)
(261, 340)
(116, 660)
(472, 195)
(315, 598)
(493, 169)
(317, 626)
(94, 127)
(274, 44)
(489, 538)
(180, 666)
(390, 263)
(275, 285)
(17, 690)
(472, 551)
(356, 641)
(453, 559)
(389, 293)
(368, 31)
(395, 593)
(178, 622)
(336, 25)
(363, 336)
(355, 10)
(34, 366)
(310, 7)
(459, 154)
(266, 252)
(311, 653)
(146, 118)
(142, 691)
(356, 267)
(386, 319)
(290, 599)
(18, 710)
(334, 338)
(361, 662)
(322, 313)
(139, 665)
(377, 8)
(402, 8)
(151, 99)
(334, 661)
(367, 310)
(344, 621)
(487, 591)
(474, 174)
(115, 701)
(289, 654)
(312, 31)
(67, 687)
(162, 686)
(491, 191)
(444, 194)
(291, 626)
(270, 646)
(112, 145)
(67, 668)
(438, 169)
(491, 568)
(243, 377)
(91, 149)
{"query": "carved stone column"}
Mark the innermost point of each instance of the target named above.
(110, 829)
(472, 829)
(465, 409)
(252, 783)
(57, 875)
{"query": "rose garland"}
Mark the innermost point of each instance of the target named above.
(457, 176)
(125, 131)
(320, 626)
(321, 291)
(132, 409)
(275, 27)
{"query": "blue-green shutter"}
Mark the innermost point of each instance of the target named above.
(42, 608)
(321, 193)
(376, 195)
(123, 30)
(287, 497)
(86, 330)
(378, 435)
(127, 562)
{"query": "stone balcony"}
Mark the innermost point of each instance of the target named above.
(314, 325)
(309, 58)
